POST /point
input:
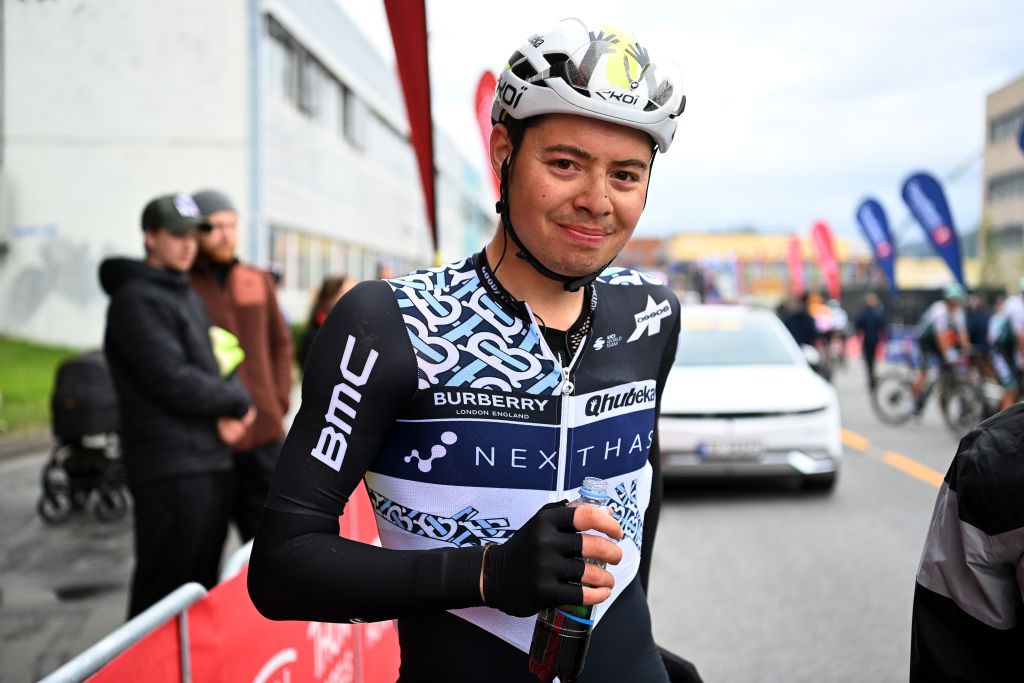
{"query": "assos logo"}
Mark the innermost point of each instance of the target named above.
(623, 399)
(649, 319)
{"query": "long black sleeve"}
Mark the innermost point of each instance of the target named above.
(360, 373)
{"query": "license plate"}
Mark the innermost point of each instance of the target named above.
(730, 450)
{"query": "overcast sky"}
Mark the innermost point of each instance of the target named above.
(796, 109)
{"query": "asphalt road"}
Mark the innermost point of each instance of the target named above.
(752, 581)
(763, 582)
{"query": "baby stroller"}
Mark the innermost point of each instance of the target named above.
(85, 466)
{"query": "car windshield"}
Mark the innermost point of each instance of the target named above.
(730, 340)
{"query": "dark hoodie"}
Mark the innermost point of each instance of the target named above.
(158, 345)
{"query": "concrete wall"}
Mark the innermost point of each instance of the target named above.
(106, 105)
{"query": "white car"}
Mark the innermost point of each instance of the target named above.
(741, 399)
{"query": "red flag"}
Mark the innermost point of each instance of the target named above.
(408, 21)
(484, 97)
(796, 268)
(821, 235)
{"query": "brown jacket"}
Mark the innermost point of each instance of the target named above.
(241, 299)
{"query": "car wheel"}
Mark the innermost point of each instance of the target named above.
(822, 483)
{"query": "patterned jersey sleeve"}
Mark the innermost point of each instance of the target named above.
(360, 373)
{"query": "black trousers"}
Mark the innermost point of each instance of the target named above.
(253, 471)
(869, 360)
(180, 527)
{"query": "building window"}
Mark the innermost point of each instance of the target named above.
(282, 62)
(1010, 238)
(1006, 186)
(1006, 126)
(357, 116)
(332, 112)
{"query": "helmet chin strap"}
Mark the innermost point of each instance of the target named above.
(569, 282)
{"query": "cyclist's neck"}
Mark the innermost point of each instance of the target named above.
(547, 298)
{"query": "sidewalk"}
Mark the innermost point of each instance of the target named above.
(63, 587)
(13, 445)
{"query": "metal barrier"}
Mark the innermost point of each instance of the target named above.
(93, 659)
(234, 564)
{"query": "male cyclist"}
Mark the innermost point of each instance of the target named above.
(1006, 346)
(472, 399)
(942, 334)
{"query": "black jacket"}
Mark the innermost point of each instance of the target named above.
(158, 345)
(968, 619)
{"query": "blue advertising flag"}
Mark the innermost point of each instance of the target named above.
(926, 200)
(875, 225)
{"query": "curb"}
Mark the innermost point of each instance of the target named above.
(14, 445)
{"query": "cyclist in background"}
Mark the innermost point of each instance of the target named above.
(942, 334)
(840, 330)
(1006, 346)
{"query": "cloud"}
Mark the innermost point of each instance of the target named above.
(795, 109)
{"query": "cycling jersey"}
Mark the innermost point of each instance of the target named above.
(938, 319)
(1009, 323)
(1002, 337)
(441, 393)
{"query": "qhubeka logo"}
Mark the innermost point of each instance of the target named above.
(602, 403)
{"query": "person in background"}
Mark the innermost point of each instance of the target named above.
(801, 324)
(977, 326)
(942, 336)
(873, 328)
(332, 288)
(1007, 346)
(840, 329)
(242, 300)
(178, 412)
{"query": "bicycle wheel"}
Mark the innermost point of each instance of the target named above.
(963, 406)
(893, 399)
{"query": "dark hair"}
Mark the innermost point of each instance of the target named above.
(325, 296)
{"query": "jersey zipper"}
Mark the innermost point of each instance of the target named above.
(566, 389)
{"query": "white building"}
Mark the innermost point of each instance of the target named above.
(282, 104)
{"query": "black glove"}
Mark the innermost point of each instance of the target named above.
(538, 566)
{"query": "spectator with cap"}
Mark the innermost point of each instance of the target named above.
(180, 408)
(242, 300)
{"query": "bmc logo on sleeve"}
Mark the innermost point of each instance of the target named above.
(341, 413)
(649, 319)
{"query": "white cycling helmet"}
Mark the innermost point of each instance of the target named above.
(605, 75)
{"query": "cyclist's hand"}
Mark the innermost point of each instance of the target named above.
(540, 565)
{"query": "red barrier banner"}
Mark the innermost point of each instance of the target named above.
(230, 642)
(821, 235)
(482, 106)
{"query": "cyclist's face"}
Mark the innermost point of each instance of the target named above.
(219, 241)
(576, 189)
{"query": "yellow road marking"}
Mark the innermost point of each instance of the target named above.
(855, 441)
(913, 468)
